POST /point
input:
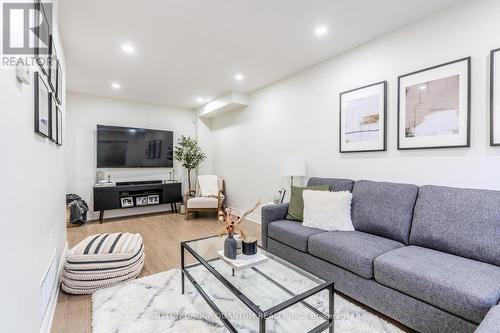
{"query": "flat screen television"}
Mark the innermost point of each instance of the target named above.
(127, 147)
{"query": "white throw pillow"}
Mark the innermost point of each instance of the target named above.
(327, 210)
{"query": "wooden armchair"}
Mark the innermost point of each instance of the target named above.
(195, 202)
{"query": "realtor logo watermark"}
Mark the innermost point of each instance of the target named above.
(27, 27)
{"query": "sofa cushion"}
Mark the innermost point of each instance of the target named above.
(464, 222)
(352, 250)
(465, 287)
(296, 206)
(491, 323)
(291, 233)
(335, 184)
(384, 209)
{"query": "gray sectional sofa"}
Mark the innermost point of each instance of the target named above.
(428, 257)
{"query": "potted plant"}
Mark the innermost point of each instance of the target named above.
(189, 154)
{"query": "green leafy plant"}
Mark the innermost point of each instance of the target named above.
(189, 154)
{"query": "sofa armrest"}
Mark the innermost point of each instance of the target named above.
(269, 214)
(490, 323)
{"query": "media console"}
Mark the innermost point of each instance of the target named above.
(136, 194)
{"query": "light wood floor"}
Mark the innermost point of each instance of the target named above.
(161, 233)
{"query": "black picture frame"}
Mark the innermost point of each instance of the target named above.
(41, 105)
(53, 66)
(43, 30)
(59, 92)
(384, 111)
(59, 140)
(493, 53)
(468, 106)
(53, 118)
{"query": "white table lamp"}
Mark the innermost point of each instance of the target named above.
(293, 165)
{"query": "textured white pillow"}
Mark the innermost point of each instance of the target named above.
(327, 210)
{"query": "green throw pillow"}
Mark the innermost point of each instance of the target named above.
(296, 207)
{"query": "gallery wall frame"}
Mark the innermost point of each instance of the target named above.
(43, 28)
(59, 90)
(52, 66)
(435, 125)
(494, 102)
(372, 100)
(41, 105)
(53, 118)
(59, 140)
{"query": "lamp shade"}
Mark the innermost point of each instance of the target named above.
(293, 165)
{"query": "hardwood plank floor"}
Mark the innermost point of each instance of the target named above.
(161, 233)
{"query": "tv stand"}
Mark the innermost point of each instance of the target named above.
(114, 196)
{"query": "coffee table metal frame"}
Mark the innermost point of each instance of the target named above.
(261, 315)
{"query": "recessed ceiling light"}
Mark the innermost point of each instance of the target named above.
(115, 85)
(127, 48)
(200, 99)
(321, 30)
(239, 77)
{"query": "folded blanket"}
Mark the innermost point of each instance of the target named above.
(209, 185)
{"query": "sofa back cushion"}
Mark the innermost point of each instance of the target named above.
(463, 222)
(384, 209)
(336, 184)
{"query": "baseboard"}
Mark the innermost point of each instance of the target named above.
(254, 217)
(49, 315)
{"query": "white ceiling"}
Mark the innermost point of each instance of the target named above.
(193, 48)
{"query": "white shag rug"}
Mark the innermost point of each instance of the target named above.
(154, 304)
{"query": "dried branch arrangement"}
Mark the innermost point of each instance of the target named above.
(232, 223)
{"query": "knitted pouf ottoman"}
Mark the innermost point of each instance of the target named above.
(102, 261)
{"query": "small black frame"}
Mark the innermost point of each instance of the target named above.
(59, 139)
(53, 118)
(468, 59)
(59, 90)
(44, 28)
(385, 119)
(52, 66)
(39, 83)
(492, 98)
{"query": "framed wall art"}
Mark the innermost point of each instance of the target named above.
(59, 92)
(43, 30)
(363, 119)
(53, 66)
(495, 98)
(59, 140)
(42, 105)
(53, 118)
(434, 107)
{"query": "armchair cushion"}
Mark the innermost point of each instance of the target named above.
(202, 202)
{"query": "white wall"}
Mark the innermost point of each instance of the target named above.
(85, 112)
(300, 114)
(32, 202)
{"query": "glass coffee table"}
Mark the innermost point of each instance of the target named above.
(274, 296)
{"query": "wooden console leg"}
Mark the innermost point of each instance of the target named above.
(101, 216)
